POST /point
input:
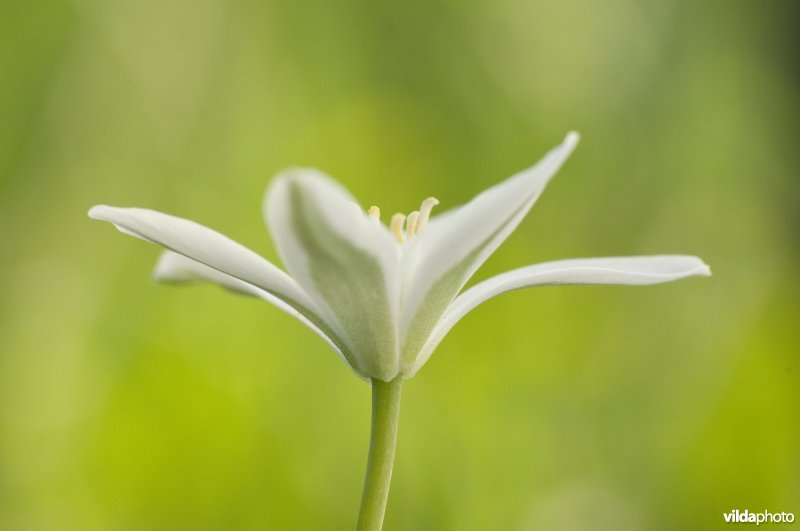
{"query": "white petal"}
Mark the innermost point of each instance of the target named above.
(346, 262)
(442, 259)
(176, 268)
(210, 248)
(637, 270)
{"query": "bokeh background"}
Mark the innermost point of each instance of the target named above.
(126, 405)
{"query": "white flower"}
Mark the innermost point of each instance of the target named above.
(382, 297)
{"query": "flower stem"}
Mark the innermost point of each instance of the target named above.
(382, 442)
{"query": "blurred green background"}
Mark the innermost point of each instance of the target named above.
(126, 405)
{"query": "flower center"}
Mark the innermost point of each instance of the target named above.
(406, 227)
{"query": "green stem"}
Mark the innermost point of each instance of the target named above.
(382, 442)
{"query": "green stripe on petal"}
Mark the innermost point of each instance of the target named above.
(436, 302)
(441, 260)
(346, 263)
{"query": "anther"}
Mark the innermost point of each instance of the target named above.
(396, 227)
(425, 213)
(374, 213)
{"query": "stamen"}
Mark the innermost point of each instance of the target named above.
(425, 213)
(396, 227)
(411, 224)
(374, 213)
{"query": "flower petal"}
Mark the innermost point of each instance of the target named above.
(176, 268)
(637, 270)
(441, 260)
(212, 249)
(346, 263)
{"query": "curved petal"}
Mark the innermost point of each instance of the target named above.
(346, 262)
(442, 259)
(633, 271)
(176, 268)
(211, 249)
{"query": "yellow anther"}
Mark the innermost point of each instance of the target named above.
(374, 213)
(396, 227)
(425, 213)
(411, 224)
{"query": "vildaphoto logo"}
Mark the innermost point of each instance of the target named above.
(746, 517)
